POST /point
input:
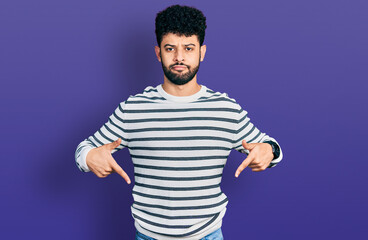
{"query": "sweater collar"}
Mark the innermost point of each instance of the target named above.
(189, 98)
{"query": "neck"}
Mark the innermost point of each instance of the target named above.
(187, 89)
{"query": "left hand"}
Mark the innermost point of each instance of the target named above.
(259, 157)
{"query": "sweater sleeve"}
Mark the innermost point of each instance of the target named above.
(113, 129)
(245, 129)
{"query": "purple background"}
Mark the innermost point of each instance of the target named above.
(298, 67)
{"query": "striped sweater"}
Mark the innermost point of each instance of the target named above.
(179, 147)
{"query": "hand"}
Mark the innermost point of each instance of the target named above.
(100, 161)
(259, 157)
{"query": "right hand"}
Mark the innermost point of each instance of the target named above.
(100, 161)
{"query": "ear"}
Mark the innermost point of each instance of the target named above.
(203, 51)
(157, 51)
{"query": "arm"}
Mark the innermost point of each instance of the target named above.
(81, 154)
(276, 153)
(247, 131)
(113, 129)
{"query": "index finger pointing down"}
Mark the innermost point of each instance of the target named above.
(242, 166)
(120, 171)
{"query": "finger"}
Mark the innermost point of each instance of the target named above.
(120, 171)
(248, 146)
(242, 166)
(100, 175)
(102, 172)
(257, 169)
(111, 146)
(253, 164)
(109, 171)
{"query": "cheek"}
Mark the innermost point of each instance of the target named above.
(165, 60)
(195, 59)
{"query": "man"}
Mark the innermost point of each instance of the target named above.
(179, 135)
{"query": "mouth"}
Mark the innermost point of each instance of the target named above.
(179, 67)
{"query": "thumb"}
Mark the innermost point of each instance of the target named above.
(113, 145)
(248, 146)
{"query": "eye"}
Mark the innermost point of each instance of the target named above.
(189, 49)
(169, 49)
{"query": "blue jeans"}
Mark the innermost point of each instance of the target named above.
(216, 235)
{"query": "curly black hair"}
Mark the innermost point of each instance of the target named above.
(181, 20)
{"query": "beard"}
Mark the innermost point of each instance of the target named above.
(180, 78)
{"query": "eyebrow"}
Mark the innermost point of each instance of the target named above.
(189, 44)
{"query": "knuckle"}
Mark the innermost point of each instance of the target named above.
(101, 174)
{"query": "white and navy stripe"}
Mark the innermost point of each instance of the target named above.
(179, 147)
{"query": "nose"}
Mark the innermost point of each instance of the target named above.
(179, 57)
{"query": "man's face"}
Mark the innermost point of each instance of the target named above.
(180, 57)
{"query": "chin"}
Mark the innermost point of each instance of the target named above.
(179, 82)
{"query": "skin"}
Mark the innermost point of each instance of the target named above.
(175, 49)
(259, 157)
(100, 161)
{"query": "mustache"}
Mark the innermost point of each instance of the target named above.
(178, 64)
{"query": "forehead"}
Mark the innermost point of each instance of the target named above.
(175, 39)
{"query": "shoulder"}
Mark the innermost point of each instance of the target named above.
(222, 98)
(149, 94)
